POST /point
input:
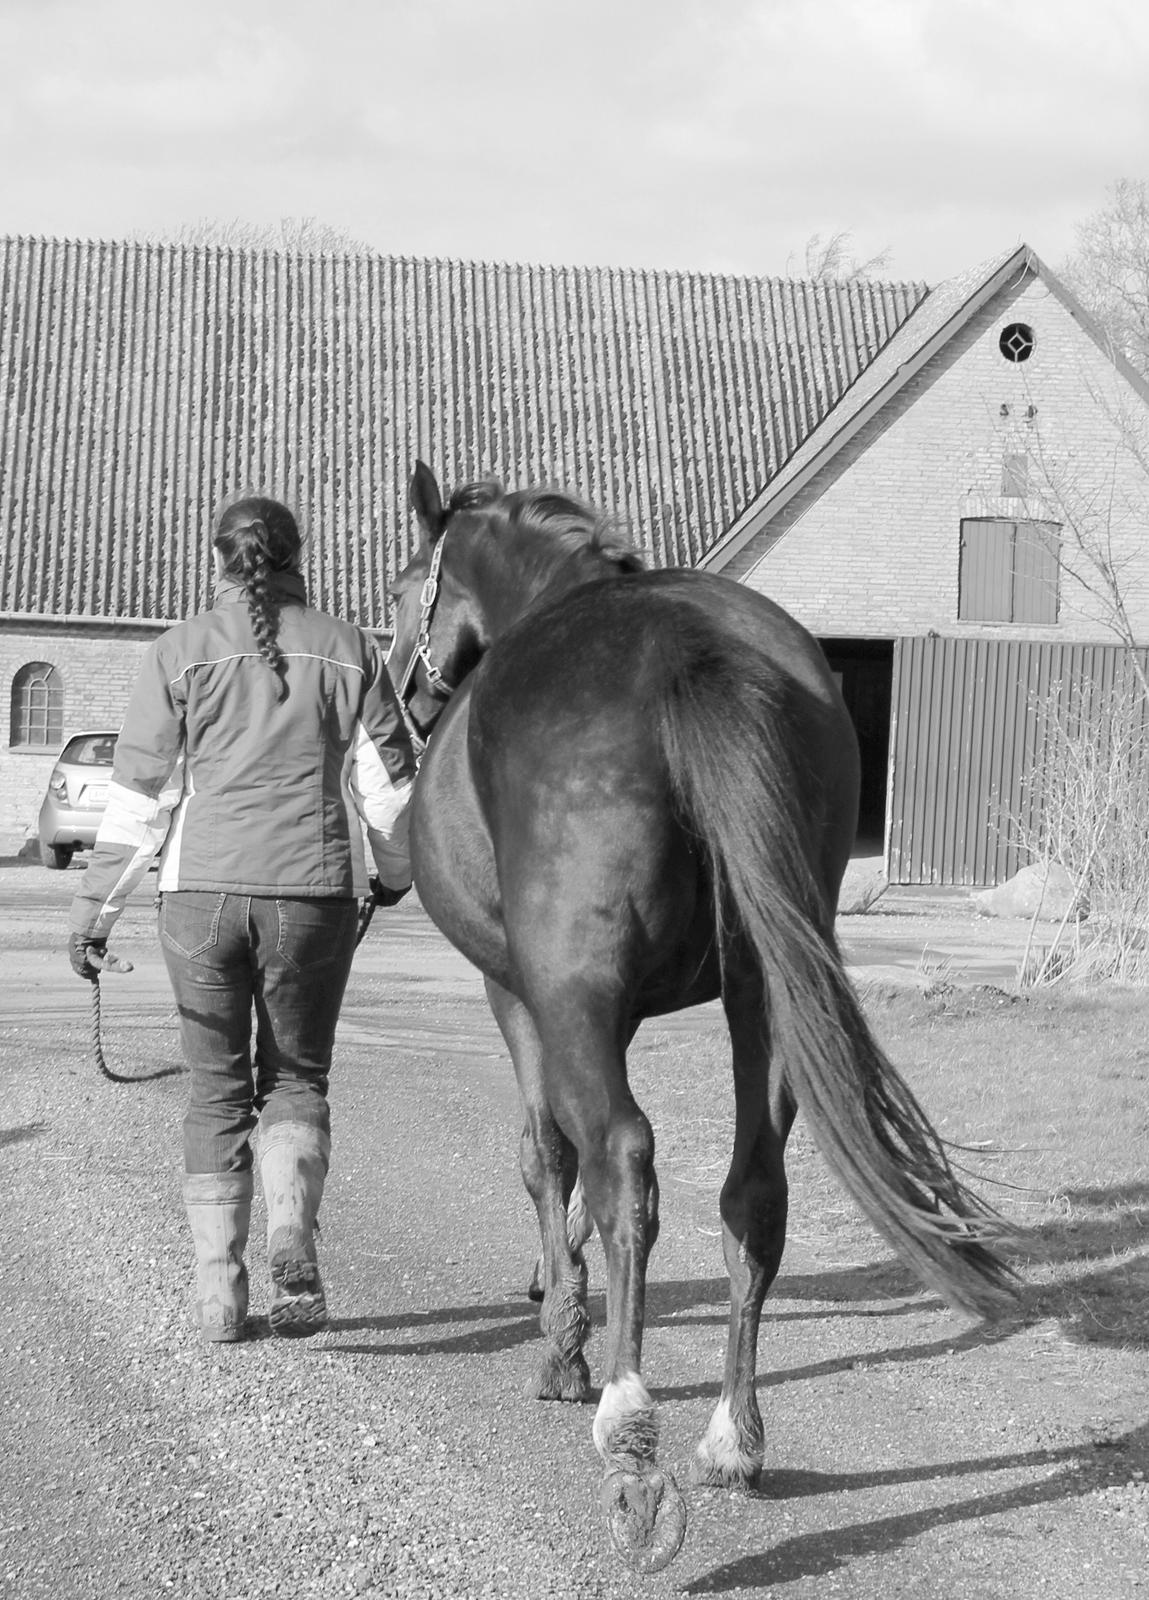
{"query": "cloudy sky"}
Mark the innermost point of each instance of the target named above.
(710, 134)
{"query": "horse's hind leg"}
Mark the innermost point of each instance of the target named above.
(753, 1209)
(584, 1065)
(580, 1226)
(549, 1166)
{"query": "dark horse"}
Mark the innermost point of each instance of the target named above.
(641, 794)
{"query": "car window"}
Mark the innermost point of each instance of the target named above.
(90, 750)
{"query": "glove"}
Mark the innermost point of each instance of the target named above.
(381, 895)
(81, 950)
(90, 957)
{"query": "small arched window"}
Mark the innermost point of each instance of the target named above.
(37, 707)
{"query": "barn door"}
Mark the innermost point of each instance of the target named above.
(959, 726)
(966, 732)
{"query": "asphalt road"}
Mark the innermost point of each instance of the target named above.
(911, 1453)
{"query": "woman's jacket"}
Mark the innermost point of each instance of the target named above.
(240, 790)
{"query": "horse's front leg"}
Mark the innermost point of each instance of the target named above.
(549, 1167)
(753, 1207)
(585, 1075)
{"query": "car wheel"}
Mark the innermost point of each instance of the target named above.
(56, 856)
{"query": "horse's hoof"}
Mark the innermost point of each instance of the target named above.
(729, 1456)
(708, 1474)
(646, 1516)
(560, 1380)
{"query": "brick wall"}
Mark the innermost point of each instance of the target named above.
(871, 546)
(98, 669)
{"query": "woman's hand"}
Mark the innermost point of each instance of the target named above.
(381, 895)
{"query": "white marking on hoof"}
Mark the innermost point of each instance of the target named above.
(625, 1424)
(722, 1455)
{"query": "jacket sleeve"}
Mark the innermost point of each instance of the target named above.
(382, 775)
(146, 786)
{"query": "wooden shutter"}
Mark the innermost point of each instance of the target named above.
(985, 571)
(1035, 572)
(1008, 571)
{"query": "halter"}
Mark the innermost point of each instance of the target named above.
(428, 599)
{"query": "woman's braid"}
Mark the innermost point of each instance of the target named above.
(256, 538)
(262, 605)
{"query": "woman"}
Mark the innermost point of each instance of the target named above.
(258, 734)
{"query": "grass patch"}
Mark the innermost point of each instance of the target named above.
(1048, 1092)
(1051, 1090)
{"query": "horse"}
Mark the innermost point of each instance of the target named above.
(638, 792)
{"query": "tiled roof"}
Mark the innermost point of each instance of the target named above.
(142, 382)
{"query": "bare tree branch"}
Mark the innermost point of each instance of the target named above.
(1109, 270)
(830, 260)
(1102, 507)
(288, 236)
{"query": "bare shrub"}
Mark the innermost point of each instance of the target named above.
(1087, 798)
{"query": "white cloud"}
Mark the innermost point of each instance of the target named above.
(691, 134)
(107, 91)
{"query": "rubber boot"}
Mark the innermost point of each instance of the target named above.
(293, 1159)
(218, 1206)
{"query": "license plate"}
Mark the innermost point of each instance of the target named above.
(96, 794)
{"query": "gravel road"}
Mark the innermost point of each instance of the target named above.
(912, 1453)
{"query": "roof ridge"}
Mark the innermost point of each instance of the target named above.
(467, 263)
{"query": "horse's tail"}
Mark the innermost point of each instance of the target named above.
(735, 761)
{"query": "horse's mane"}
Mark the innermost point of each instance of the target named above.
(547, 529)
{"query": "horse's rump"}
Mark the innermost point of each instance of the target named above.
(572, 749)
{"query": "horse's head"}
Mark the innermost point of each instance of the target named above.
(439, 630)
(483, 559)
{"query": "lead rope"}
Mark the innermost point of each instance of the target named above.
(97, 1043)
(366, 912)
(115, 964)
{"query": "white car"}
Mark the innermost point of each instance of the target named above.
(76, 797)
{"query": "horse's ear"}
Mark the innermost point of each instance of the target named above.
(428, 502)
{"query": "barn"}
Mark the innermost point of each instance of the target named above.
(967, 532)
(904, 467)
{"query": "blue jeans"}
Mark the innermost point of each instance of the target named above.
(229, 955)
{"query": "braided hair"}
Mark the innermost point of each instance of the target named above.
(257, 537)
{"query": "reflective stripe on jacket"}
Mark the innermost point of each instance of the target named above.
(241, 791)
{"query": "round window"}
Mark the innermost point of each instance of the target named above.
(1016, 342)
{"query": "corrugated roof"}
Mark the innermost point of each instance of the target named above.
(142, 382)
